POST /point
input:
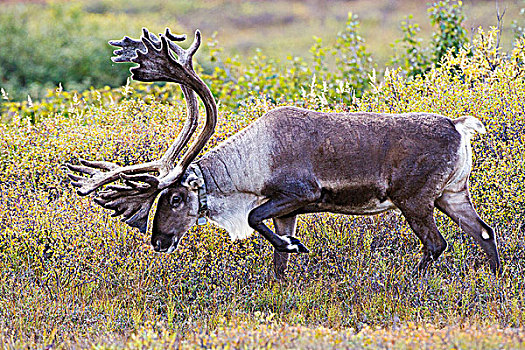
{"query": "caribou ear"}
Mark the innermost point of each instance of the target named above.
(193, 182)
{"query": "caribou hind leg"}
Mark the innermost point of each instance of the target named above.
(420, 217)
(458, 207)
(284, 226)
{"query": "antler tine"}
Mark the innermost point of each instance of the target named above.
(130, 46)
(174, 37)
(101, 177)
(196, 43)
(178, 50)
(185, 56)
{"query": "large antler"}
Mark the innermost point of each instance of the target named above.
(156, 63)
(160, 65)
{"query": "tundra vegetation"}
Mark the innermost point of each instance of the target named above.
(73, 276)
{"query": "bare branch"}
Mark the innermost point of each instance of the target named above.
(500, 23)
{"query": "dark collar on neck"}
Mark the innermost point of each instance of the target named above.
(203, 197)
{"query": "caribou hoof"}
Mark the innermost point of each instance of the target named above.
(292, 245)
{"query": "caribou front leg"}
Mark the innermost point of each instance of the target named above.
(287, 200)
(274, 208)
(284, 226)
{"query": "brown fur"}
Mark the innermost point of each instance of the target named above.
(354, 163)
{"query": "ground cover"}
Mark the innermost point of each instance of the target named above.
(72, 276)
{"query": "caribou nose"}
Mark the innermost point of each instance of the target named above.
(156, 246)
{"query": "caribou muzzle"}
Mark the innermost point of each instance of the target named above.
(165, 244)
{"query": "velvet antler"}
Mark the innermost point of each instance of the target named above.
(156, 62)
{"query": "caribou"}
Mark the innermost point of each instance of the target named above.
(291, 161)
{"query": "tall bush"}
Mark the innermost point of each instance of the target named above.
(409, 54)
(277, 80)
(59, 43)
(446, 16)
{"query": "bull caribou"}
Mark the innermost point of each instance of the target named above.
(291, 161)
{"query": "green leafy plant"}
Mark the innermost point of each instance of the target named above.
(294, 77)
(449, 35)
(352, 59)
(447, 17)
(517, 26)
(60, 43)
(410, 56)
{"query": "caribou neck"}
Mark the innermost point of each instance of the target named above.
(228, 207)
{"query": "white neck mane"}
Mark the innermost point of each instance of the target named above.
(230, 212)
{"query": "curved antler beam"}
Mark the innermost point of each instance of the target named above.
(158, 64)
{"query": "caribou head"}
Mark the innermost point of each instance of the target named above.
(177, 186)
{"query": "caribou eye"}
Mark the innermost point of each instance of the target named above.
(175, 200)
